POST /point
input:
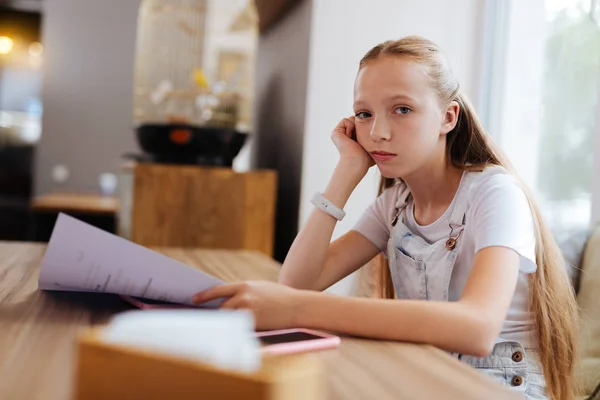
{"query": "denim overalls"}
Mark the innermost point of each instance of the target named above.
(422, 271)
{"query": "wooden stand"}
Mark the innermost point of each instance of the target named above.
(191, 206)
(110, 372)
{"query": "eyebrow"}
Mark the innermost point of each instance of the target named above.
(393, 98)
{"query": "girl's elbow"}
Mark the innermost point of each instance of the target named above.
(482, 347)
(482, 331)
(481, 343)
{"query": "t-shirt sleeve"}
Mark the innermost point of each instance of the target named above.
(502, 217)
(375, 222)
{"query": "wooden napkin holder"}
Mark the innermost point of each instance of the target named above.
(115, 372)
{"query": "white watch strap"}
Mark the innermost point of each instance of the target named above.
(322, 203)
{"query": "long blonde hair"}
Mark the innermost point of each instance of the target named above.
(468, 147)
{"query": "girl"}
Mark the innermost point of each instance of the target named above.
(471, 267)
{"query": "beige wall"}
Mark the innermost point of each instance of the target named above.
(87, 90)
(306, 68)
(342, 31)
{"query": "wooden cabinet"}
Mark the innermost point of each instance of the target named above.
(192, 206)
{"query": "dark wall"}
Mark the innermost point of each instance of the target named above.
(281, 85)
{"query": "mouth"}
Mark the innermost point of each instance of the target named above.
(382, 156)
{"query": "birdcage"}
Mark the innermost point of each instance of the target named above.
(194, 79)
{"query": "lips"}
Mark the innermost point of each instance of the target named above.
(382, 156)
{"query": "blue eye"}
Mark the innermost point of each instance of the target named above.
(362, 115)
(402, 110)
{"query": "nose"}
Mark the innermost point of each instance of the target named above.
(380, 130)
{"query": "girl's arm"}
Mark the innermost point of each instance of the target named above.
(468, 326)
(313, 262)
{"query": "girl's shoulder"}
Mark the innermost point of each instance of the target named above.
(493, 177)
(494, 180)
(495, 185)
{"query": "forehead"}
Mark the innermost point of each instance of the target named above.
(391, 76)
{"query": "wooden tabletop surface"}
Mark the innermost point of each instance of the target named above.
(37, 337)
(76, 202)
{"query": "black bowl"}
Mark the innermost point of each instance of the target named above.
(189, 144)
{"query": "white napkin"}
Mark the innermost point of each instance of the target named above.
(225, 339)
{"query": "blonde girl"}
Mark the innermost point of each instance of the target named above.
(470, 265)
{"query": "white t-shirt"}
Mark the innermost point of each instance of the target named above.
(498, 215)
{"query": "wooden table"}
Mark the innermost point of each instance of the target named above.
(88, 203)
(37, 331)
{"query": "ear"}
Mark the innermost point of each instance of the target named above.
(450, 117)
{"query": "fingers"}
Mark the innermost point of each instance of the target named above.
(227, 290)
(349, 122)
(344, 130)
(345, 127)
(232, 303)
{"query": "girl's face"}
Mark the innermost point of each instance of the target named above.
(399, 119)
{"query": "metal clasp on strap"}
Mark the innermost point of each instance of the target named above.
(451, 242)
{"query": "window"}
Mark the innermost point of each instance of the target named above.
(569, 120)
(546, 117)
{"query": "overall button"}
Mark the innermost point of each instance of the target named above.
(517, 356)
(517, 381)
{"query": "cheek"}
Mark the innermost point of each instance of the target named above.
(413, 138)
(363, 132)
(416, 130)
(406, 132)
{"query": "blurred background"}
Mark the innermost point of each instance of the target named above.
(83, 83)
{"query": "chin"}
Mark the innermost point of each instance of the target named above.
(390, 173)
